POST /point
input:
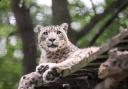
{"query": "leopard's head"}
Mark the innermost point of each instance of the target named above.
(52, 38)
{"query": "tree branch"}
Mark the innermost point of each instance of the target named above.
(93, 7)
(114, 69)
(103, 28)
(115, 5)
(89, 57)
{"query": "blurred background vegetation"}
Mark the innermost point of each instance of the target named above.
(91, 22)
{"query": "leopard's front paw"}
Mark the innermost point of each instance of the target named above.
(41, 68)
(52, 74)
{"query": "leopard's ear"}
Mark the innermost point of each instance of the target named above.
(37, 29)
(64, 26)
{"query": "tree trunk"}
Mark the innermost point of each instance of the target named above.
(61, 14)
(25, 28)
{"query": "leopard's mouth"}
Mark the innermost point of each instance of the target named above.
(52, 46)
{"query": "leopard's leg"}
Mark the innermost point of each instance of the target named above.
(31, 80)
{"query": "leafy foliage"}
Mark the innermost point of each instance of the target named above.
(4, 5)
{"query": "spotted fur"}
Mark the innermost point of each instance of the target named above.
(58, 50)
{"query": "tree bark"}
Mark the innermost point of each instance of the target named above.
(113, 70)
(61, 14)
(25, 28)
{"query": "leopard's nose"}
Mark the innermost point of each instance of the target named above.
(52, 39)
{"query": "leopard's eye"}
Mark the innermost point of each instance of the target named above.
(45, 33)
(58, 32)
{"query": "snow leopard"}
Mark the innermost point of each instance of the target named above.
(55, 48)
(54, 43)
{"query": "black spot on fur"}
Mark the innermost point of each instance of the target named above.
(24, 77)
(26, 83)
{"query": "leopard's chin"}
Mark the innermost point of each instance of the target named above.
(52, 49)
